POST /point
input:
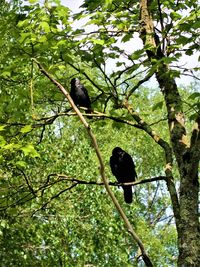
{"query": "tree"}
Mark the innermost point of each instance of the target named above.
(125, 109)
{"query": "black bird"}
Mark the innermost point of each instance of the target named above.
(123, 168)
(80, 95)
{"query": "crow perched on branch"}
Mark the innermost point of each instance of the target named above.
(80, 95)
(123, 168)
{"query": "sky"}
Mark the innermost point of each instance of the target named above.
(72, 4)
(186, 61)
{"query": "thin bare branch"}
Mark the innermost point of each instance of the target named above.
(86, 75)
(27, 181)
(54, 197)
(63, 177)
(145, 79)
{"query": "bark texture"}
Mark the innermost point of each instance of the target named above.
(185, 150)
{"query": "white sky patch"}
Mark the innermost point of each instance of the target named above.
(73, 4)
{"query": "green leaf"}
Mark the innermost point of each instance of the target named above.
(12, 146)
(2, 127)
(118, 64)
(108, 2)
(175, 15)
(194, 95)
(42, 39)
(45, 26)
(33, 1)
(1, 161)
(126, 38)
(12, 211)
(137, 54)
(3, 223)
(158, 105)
(182, 40)
(23, 23)
(2, 141)
(26, 129)
(6, 74)
(21, 163)
(24, 36)
(29, 150)
(168, 60)
(96, 41)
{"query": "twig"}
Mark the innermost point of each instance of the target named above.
(145, 79)
(42, 134)
(27, 181)
(63, 177)
(86, 75)
(53, 197)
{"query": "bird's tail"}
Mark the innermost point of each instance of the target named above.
(128, 196)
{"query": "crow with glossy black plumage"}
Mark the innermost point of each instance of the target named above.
(80, 95)
(123, 168)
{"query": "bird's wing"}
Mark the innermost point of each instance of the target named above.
(130, 165)
(85, 90)
(113, 166)
(82, 91)
(72, 91)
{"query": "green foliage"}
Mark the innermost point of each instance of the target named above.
(47, 219)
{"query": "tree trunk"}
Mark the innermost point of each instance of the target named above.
(189, 237)
(189, 240)
(187, 153)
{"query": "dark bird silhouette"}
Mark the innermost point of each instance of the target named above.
(80, 95)
(123, 168)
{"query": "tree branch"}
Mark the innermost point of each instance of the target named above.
(102, 171)
(63, 177)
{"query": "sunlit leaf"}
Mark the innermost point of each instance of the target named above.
(26, 129)
(29, 150)
(2, 127)
(21, 163)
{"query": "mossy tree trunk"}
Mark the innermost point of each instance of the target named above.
(186, 150)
